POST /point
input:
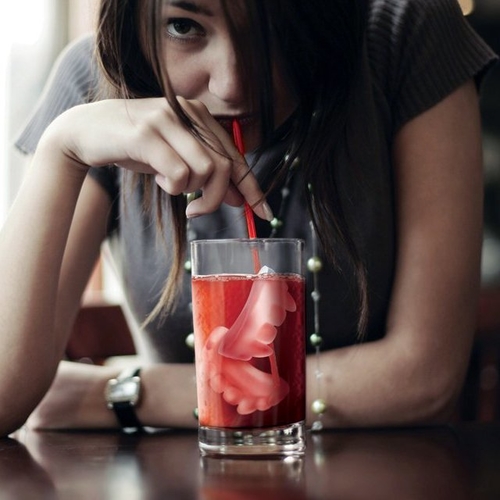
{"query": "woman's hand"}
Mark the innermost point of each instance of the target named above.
(146, 136)
(75, 399)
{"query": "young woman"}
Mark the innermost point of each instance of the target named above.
(361, 119)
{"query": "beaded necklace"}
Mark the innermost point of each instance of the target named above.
(314, 266)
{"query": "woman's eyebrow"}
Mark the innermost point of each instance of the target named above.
(190, 7)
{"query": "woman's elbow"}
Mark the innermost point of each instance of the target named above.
(10, 422)
(15, 408)
(438, 399)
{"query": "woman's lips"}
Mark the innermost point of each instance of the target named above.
(227, 121)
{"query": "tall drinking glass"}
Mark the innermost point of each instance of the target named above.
(249, 324)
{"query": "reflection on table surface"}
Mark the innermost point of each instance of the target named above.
(458, 462)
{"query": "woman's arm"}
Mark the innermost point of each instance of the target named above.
(76, 397)
(40, 294)
(31, 249)
(415, 373)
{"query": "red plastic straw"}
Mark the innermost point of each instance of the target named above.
(238, 141)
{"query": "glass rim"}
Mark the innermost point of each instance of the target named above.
(247, 240)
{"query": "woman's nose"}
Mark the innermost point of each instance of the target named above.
(224, 79)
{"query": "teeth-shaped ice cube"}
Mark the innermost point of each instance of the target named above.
(255, 328)
(240, 383)
(266, 270)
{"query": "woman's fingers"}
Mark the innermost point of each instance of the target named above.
(247, 185)
(232, 181)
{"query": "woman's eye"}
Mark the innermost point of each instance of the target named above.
(181, 28)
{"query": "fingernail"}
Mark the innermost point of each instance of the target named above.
(268, 213)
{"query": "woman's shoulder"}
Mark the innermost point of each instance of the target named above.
(392, 23)
(76, 66)
(420, 27)
(81, 47)
(421, 50)
(400, 11)
(74, 80)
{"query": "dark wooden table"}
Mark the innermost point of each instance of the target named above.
(457, 462)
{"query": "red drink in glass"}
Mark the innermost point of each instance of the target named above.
(250, 346)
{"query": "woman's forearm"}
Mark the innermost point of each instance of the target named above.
(76, 398)
(380, 384)
(32, 244)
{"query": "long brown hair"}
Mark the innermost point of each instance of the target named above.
(318, 44)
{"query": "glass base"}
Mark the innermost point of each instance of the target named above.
(283, 441)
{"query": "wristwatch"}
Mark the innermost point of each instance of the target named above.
(122, 396)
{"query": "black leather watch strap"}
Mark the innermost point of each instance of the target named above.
(125, 410)
(125, 413)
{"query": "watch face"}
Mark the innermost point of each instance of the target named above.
(119, 391)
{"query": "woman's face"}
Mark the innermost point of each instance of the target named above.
(201, 64)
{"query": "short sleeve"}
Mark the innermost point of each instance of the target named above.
(427, 49)
(109, 178)
(73, 81)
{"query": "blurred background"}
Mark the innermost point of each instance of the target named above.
(485, 18)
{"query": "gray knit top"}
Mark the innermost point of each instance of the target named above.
(416, 53)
